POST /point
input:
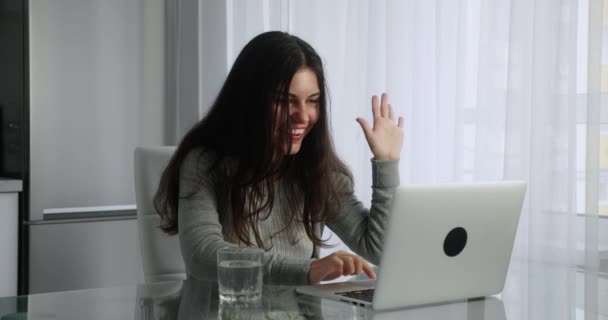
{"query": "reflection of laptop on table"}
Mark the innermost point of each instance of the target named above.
(482, 309)
(443, 243)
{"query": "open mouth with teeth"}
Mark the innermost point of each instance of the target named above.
(297, 134)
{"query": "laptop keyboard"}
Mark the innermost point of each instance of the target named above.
(365, 294)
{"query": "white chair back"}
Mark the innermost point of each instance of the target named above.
(161, 255)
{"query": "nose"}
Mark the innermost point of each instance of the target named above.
(298, 113)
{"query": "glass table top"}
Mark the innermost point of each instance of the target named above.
(532, 291)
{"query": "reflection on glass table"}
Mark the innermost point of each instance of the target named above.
(284, 303)
(533, 291)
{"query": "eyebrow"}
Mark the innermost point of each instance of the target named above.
(312, 95)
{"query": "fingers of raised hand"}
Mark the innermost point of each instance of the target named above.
(381, 108)
(376, 107)
(401, 122)
(384, 109)
(365, 126)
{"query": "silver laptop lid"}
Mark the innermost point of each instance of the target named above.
(448, 242)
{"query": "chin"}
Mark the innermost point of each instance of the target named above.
(294, 150)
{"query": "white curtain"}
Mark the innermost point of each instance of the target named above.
(490, 90)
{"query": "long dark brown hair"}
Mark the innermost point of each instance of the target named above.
(248, 127)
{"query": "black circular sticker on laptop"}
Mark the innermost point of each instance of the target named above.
(455, 241)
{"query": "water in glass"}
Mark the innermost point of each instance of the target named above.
(240, 280)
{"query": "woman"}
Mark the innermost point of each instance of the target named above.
(260, 170)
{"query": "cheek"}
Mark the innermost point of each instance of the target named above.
(313, 115)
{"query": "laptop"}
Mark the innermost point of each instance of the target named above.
(443, 243)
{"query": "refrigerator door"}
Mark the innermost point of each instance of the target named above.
(97, 92)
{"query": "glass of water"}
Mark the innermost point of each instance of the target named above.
(239, 274)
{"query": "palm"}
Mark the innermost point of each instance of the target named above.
(385, 138)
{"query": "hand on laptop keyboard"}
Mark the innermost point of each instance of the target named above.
(336, 265)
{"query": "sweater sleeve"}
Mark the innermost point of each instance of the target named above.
(362, 229)
(200, 230)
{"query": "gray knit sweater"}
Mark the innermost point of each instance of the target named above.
(289, 251)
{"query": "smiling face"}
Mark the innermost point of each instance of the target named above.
(304, 97)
